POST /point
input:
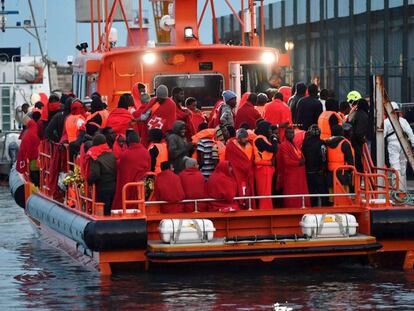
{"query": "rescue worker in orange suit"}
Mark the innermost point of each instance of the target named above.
(265, 147)
(120, 119)
(239, 152)
(248, 113)
(194, 186)
(329, 118)
(314, 151)
(74, 121)
(133, 164)
(340, 153)
(168, 187)
(102, 171)
(158, 150)
(277, 112)
(222, 186)
(292, 171)
(182, 113)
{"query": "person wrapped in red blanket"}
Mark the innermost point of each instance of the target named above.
(292, 171)
(120, 119)
(133, 164)
(168, 188)
(29, 152)
(194, 185)
(222, 186)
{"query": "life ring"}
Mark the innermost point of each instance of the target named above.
(39, 76)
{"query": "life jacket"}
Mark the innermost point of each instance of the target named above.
(248, 149)
(221, 148)
(323, 123)
(162, 155)
(206, 133)
(104, 116)
(71, 126)
(262, 158)
(336, 157)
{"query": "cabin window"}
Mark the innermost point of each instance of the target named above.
(206, 88)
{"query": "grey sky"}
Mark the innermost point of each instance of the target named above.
(63, 33)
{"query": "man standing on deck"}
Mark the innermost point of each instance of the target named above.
(309, 108)
(396, 155)
(300, 91)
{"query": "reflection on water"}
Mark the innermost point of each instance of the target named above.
(34, 275)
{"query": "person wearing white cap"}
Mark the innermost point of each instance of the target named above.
(397, 158)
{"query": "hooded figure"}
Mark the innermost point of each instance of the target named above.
(265, 148)
(167, 187)
(102, 171)
(178, 147)
(120, 119)
(222, 186)
(247, 113)
(133, 164)
(292, 173)
(194, 185)
(239, 152)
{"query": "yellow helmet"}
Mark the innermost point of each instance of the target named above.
(353, 96)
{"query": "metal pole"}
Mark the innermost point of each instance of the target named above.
(379, 121)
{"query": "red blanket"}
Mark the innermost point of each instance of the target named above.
(197, 118)
(29, 147)
(133, 165)
(242, 170)
(168, 187)
(247, 114)
(184, 115)
(194, 186)
(292, 174)
(163, 115)
(277, 112)
(221, 185)
(119, 119)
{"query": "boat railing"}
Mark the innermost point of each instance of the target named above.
(250, 199)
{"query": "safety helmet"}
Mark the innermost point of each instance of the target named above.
(353, 96)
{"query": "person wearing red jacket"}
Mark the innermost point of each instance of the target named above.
(194, 185)
(120, 119)
(168, 188)
(247, 113)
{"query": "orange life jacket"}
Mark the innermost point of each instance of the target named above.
(248, 149)
(221, 147)
(162, 155)
(71, 126)
(323, 123)
(336, 157)
(262, 158)
(104, 116)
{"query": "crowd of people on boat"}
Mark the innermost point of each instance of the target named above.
(286, 141)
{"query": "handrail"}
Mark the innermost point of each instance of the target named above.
(139, 187)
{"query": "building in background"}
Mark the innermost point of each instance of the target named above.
(340, 43)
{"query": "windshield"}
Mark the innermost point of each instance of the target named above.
(206, 88)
